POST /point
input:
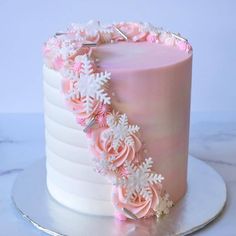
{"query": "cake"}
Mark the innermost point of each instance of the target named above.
(117, 104)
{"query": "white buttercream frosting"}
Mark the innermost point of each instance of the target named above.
(71, 178)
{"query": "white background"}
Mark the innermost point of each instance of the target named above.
(209, 25)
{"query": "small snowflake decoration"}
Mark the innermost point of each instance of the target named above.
(149, 28)
(105, 164)
(163, 208)
(120, 130)
(68, 48)
(90, 86)
(72, 70)
(92, 28)
(139, 179)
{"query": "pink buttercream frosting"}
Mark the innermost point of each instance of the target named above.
(76, 104)
(102, 145)
(138, 206)
(132, 31)
(135, 32)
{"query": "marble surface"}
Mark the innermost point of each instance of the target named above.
(212, 139)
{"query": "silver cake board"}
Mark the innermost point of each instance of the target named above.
(203, 202)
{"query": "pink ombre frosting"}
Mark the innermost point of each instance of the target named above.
(151, 83)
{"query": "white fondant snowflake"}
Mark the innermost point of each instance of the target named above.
(139, 179)
(120, 130)
(163, 208)
(69, 73)
(92, 28)
(68, 48)
(147, 27)
(104, 165)
(90, 86)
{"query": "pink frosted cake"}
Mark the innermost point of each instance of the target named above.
(117, 103)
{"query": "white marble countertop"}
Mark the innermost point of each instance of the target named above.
(212, 139)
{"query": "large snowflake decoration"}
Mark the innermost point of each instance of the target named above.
(120, 130)
(90, 86)
(104, 165)
(163, 208)
(139, 179)
(92, 28)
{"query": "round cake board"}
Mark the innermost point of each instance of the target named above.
(203, 202)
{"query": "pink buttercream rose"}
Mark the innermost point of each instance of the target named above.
(152, 38)
(81, 50)
(58, 63)
(183, 45)
(138, 206)
(188, 48)
(102, 145)
(51, 52)
(105, 37)
(77, 105)
(131, 30)
(57, 51)
(92, 37)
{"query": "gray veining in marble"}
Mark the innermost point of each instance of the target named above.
(212, 138)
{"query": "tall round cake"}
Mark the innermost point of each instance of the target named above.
(117, 104)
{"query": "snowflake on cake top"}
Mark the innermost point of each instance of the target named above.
(68, 48)
(120, 130)
(90, 86)
(104, 165)
(92, 28)
(149, 28)
(139, 179)
(163, 208)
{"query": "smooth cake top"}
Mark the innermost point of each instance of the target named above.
(138, 56)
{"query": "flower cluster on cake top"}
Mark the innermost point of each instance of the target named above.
(115, 143)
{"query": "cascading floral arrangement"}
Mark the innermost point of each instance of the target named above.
(115, 143)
